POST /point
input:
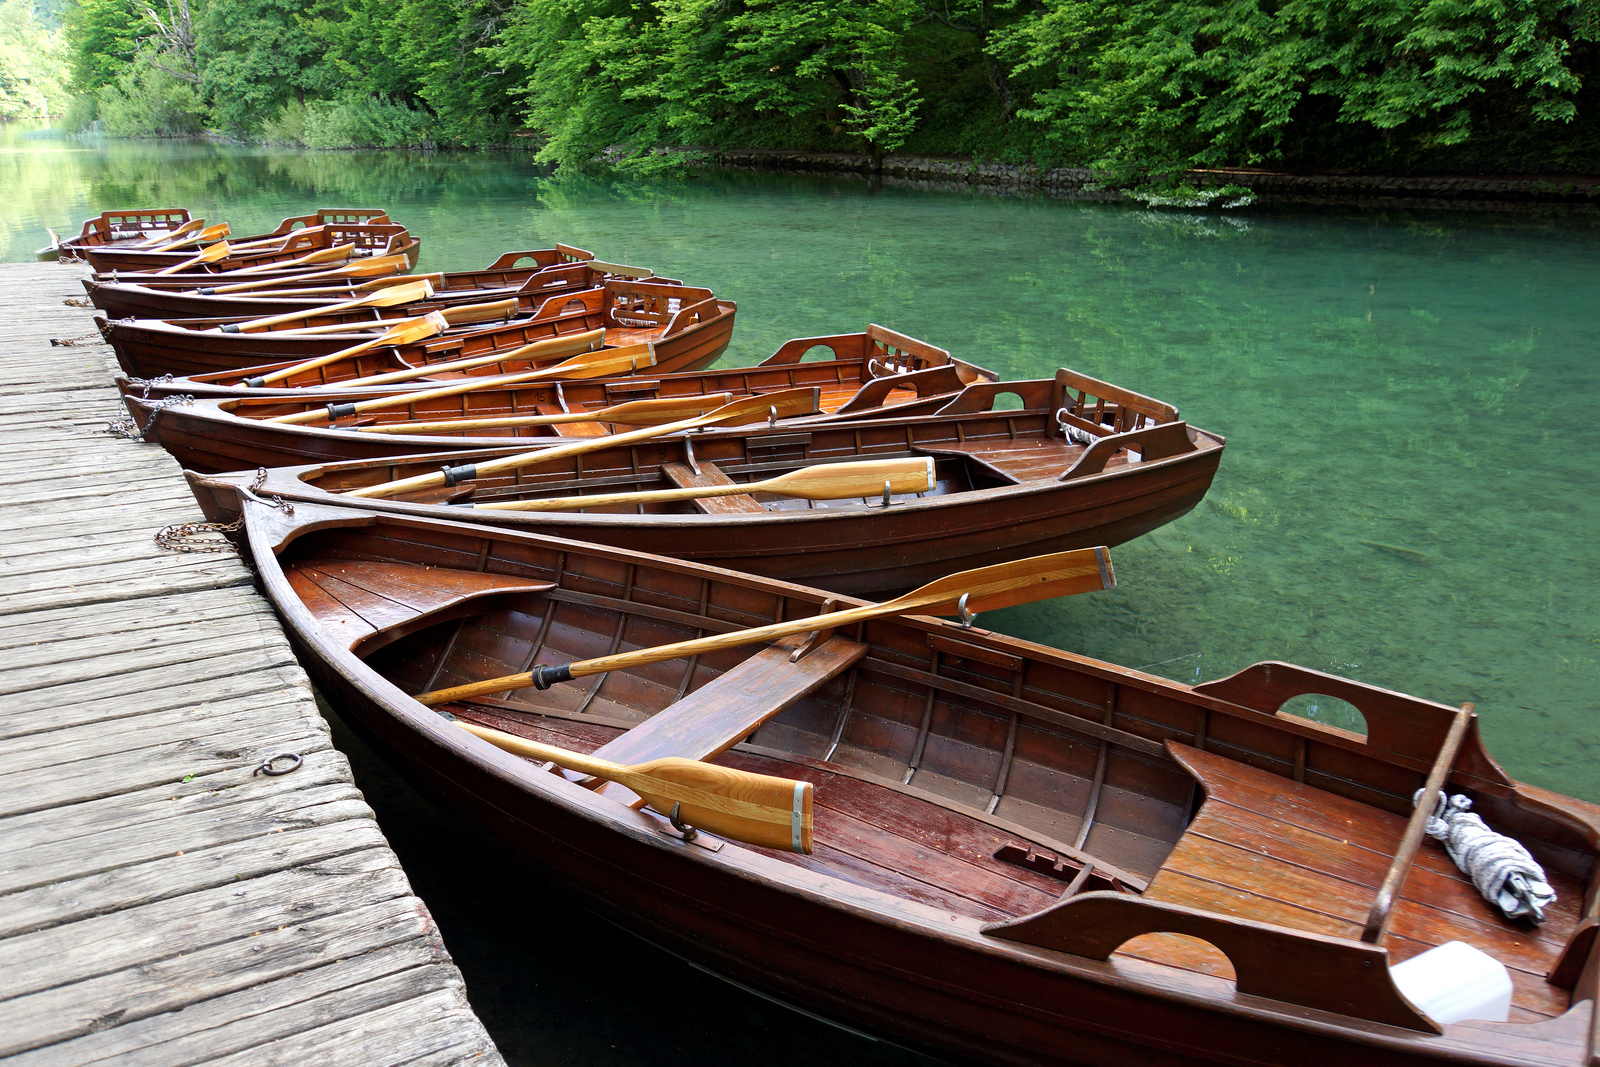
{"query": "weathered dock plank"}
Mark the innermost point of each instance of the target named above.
(160, 903)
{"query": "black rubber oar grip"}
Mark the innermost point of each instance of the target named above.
(206, 292)
(464, 473)
(544, 677)
(232, 327)
(339, 411)
(255, 383)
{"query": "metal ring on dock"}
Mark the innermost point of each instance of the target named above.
(268, 769)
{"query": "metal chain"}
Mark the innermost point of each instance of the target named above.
(75, 302)
(125, 427)
(212, 536)
(160, 379)
(88, 340)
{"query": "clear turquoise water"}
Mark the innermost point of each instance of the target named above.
(1411, 490)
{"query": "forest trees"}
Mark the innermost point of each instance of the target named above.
(1142, 90)
(32, 62)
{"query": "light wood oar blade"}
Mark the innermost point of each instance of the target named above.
(575, 345)
(758, 809)
(408, 332)
(210, 233)
(390, 297)
(1059, 574)
(825, 481)
(786, 404)
(218, 251)
(632, 413)
(321, 255)
(172, 235)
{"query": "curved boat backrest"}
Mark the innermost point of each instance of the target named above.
(1404, 728)
(1035, 395)
(1100, 407)
(130, 222)
(900, 353)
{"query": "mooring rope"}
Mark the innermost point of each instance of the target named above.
(1502, 869)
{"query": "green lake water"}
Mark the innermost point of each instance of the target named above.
(1411, 490)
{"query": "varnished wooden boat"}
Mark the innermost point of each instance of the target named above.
(689, 327)
(130, 226)
(1008, 483)
(369, 238)
(530, 284)
(1022, 856)
(856, 360)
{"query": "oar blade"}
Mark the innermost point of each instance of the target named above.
(1004, 585)
(784, 404)
(863, 478)
(758, 809)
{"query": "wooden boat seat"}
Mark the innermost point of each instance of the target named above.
(621, 336)
(684, 477)
(1013, 461)
(344, 596)
(1269, 849)
(712, 719)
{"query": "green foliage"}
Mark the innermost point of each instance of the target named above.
(257, 54)
(32, 63)
(288, 126)
(104, 36)
(146, 101)
(1146, 88)
(615, 80)
(82, 112)
(363, 122)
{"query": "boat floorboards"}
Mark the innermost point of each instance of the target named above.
(159, 903)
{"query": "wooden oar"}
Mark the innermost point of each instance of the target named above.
(575, 344)
(171, 235)
(331, 290)
(408, 332)
(758, 809)
(321, 255)
(200, 237)
(366, 268)
(983, 589)
(593, 365)
(632, 412)
(789, 403)
(216, 252)
(825, 481)
(455, 315)
(384, 298)
(281, 239)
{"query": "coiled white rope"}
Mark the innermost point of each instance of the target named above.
(1502, 869)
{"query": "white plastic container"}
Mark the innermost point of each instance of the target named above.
(1456, 981)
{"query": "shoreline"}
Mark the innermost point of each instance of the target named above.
(1456, 192)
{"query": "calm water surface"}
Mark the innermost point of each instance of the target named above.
(1410, 492)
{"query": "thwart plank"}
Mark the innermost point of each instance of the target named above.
(160, 902)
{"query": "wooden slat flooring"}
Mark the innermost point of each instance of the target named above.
(159, 904)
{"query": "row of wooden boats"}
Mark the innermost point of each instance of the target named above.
(564, 576)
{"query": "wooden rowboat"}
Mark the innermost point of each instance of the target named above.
(142, 297)
(1020, 855)
(369, 238)
(132, 226)
(1007, 483)
(689, 327)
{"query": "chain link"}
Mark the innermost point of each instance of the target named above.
(160, 379)
(88, 340)
(212, 536)
(125, 427)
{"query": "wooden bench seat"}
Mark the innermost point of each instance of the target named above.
(345, 597)
(712, 719)
(1267, 848)
(1016, 461)
(684, 477)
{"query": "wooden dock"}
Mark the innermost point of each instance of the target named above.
(160, 903)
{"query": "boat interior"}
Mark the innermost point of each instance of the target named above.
(980, 776)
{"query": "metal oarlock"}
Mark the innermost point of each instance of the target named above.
(689, 833)
(967, 617)
(688, 456)
(772, 417)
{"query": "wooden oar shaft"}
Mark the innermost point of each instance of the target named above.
(830, 481)
(788, 403)
(1001, 585)
(569, 344)
(187, 228)
(408, 332)
(402, 294)
(405, 399)
(637, 412)
(368, 268)
(321, 255)
(217, 251)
